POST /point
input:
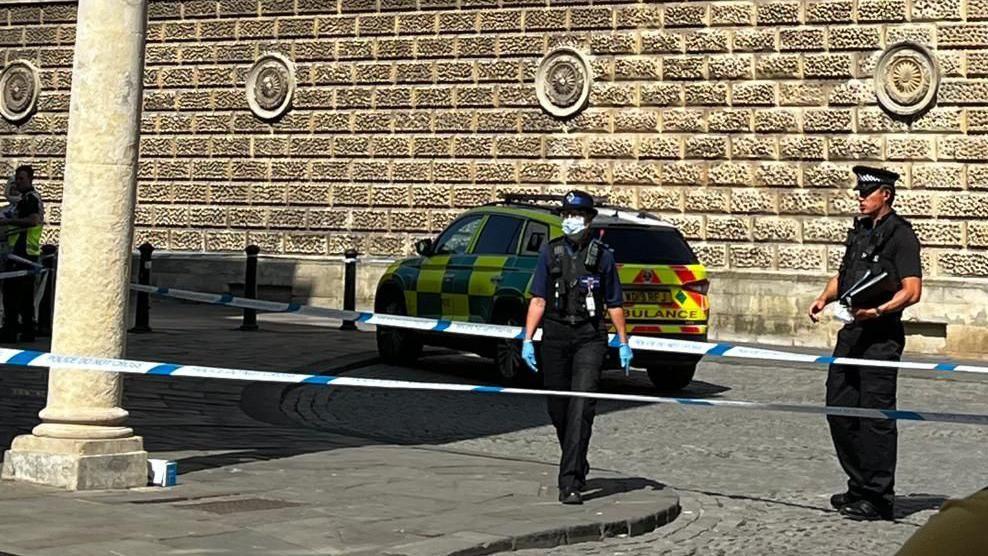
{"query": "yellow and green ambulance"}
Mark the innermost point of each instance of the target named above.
(480, 267)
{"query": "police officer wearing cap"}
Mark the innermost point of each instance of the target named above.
(574, 283)
(880, 275)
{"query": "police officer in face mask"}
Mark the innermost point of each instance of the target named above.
(879, 276)
(575, 282)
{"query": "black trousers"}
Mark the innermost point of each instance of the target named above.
(572, 357)
(18, 304)
(866, 448)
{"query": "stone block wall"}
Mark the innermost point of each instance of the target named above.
(736, 120)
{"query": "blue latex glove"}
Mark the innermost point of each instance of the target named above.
(528, 354)
(626, 355)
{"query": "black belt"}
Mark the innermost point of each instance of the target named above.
(572, 320)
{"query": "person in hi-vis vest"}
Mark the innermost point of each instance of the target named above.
(22, 226)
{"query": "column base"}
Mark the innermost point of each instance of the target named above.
(77, 464)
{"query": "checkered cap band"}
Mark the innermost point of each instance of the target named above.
(869, 178)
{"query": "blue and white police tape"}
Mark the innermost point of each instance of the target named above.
(26, 358)
(670, 345)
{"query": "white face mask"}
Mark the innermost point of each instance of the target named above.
(574, 225)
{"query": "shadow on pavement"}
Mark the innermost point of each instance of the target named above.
(905, 506)
(910, 504)
(207, 424)
(602, 488)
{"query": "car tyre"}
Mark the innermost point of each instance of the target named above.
(673, 376)
(397, 345)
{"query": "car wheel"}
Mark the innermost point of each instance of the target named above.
(674, 376)
(511, 369)
(397, 345)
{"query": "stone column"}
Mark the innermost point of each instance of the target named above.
(83, 442)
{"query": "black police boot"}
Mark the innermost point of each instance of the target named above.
(838, 501)
(570, 497)
(865, 510)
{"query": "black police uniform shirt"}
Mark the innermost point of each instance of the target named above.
(903, 246)
(606, 268)
(27, 206)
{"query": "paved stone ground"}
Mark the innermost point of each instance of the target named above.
(750, 482)
(759, 483)
(357, 500)
(265, 472)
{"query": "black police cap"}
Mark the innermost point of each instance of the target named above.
(870, 179)
(579, 200)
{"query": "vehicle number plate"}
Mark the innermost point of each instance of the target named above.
(648, 296)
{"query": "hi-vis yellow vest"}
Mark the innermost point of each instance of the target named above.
(33, 243)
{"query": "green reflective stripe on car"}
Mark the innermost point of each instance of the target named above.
(411, 303)
(486, 274)
(456, 306)
(430, 278)
(455, 287)
(481, 284)
(490, 261)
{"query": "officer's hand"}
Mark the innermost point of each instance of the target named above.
(865, 314)
(815, 308)
(626, 355)
(528, 354)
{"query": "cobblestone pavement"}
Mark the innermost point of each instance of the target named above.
(750, 482)
(759, 483)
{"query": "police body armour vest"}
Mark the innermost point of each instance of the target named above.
(573, 274)
(867, 252)
(31, 237)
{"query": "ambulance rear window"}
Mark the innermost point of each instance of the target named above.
(634, 245)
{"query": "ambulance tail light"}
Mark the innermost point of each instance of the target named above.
(700, 286)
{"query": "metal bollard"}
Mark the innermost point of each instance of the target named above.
(250, 287)
(142, 319)
(349, 286)
(49, 260)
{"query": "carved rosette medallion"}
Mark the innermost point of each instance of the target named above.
(906, 79)
(271, 86)
(20, 85)
(562, 83)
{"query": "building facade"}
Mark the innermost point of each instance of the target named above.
(307, 127)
